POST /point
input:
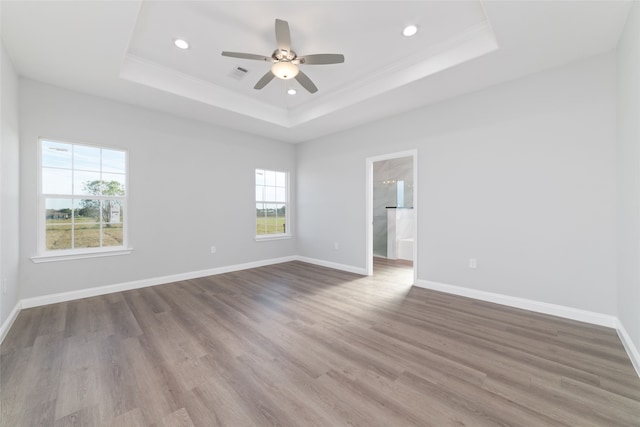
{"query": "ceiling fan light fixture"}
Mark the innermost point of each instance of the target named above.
(292, 91)
(181, 44)
(409, 30)
(284, 70)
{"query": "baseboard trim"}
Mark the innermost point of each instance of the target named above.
(137, 284)
(629, 346)
(334, 265)
(6, 325)
(526, 304)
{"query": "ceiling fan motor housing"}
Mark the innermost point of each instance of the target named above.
(283, 55)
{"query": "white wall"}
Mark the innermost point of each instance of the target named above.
(629, 176)
(9, 213)
(191, 185)
(521, 176)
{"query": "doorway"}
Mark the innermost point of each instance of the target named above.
(392, 213)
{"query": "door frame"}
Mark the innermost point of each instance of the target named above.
(369, 206)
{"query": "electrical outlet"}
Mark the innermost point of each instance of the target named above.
(213, 249)
(336, 246)
(4, 285)
(473, 263)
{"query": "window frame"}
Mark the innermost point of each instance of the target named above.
(287, 203)
(45, 255)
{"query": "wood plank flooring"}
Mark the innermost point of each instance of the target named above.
(300, 345)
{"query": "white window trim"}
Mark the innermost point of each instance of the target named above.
(71, 254)
(265, 237)
(279, 236)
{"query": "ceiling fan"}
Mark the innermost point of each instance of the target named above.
(285, 61)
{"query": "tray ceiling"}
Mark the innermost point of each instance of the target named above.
(124, 51)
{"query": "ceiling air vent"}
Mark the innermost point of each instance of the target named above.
(238, 73)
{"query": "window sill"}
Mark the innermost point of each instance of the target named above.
(273, 237)
(80, 255)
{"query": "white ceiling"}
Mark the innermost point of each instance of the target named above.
(124, 51)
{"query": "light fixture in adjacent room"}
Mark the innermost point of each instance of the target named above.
(410, 30)
(181, 44)
(284, 70)
(292, 92)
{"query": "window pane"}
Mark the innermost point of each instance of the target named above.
(260, 219)
(274, 222)
(58, 223)
(114, 184)
(259, 193)
(58, 211)
(282, 216)
(281, 179)
(259, 177)
(86, 158)
(58, 237)
(87, 183)
(111, 212)
(271, 221)
(56, 155)
(56, 181)
(86, 210)
(113, 161)
(112, 235)
(280, 195)
(269, 177)
(270, 193)
(86, 235)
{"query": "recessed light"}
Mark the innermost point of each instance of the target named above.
(292, 92)
(410, 30)
(181, 44)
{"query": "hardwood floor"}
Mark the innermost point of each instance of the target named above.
(300, 345)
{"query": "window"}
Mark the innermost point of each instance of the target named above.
(82, 198)
(272, 198)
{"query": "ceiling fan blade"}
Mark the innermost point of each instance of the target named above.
(306, 82)
(283, 35)
(247, 56)
(264, 80)
(322, 58)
